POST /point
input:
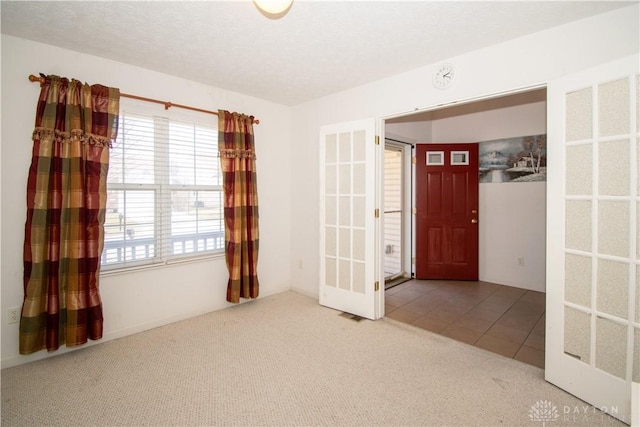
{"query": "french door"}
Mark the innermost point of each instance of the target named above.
(593, 235)
(351, 277)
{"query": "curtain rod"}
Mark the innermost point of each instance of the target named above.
(167, 105)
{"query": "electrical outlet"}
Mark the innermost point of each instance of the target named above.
(521, 261)
(13, 314)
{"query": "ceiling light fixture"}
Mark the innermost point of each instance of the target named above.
(273, 9)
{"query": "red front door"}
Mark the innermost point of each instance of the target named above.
(447, 211)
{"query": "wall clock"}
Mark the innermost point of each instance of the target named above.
(444, 76)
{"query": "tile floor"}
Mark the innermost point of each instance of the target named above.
(505, 320)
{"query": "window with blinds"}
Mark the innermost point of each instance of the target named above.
(164, 190)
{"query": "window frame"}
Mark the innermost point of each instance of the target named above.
(429, 161)
(163, 189)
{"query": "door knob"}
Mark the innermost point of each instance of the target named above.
(474, 221)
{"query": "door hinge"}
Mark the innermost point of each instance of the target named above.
(377, 140)
(414, 160)
(377, 286)
(414, 211)
(413, 260)
(377, 213)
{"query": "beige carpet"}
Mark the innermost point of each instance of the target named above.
(283, 360)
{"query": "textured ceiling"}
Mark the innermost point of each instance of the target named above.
(318, 48)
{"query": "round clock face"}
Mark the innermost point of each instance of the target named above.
(443, 77)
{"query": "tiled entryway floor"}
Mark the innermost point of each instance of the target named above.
(505, 320)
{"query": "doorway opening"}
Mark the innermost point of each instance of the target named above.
(512, 235)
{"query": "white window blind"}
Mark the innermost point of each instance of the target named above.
(164, 189)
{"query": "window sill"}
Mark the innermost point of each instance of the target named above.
(160, 265)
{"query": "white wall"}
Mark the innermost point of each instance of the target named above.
(137, 301)
(524, 62)
(409, 131)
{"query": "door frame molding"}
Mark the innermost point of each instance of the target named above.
(484, 97)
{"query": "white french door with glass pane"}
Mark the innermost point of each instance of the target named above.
(593, 235)
(350, 271)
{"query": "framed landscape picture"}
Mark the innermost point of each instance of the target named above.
(519, 159)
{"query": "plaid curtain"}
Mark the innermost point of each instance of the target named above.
(238, 160)
(66, 203)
